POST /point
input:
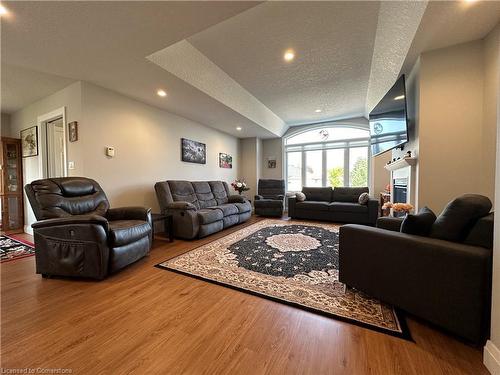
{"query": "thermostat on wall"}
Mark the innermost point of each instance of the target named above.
(110, 151)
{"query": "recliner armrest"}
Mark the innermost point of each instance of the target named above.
(236, 199)
(129, 213)
(280, 197)
(180, 206)
(70, 220)
(258, 197)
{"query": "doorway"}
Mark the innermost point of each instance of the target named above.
(54, 135)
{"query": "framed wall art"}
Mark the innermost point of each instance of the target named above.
(225, 161)
(193, 151)
(29, 142)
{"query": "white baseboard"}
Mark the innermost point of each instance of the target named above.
(491, 358)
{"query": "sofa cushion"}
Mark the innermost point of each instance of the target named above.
(348, 194)
(419, 224)
(348, 207)
(459, 216)
(207, 216)
(243, 207)
(227, 209)
(204, 194)
(481, 233)
(183, 191)
(312, 206)
(301, 197)
(364, 198)
(321, 194)
(220, 191)
(122, 232)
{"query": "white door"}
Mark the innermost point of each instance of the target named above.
(55, 148)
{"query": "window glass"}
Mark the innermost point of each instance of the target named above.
(314, 168)
(335, 167)
(294, 170)
(327, 134)
(358, 166)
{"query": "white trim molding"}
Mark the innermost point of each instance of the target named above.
(491, 358)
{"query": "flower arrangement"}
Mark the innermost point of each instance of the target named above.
(398, 207)
(240, 186)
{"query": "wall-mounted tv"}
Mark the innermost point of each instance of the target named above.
(388, 120)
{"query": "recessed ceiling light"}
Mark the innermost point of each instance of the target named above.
(3, 10)
(289, 55)
(399, 97)
(161, 93)
(318, 110)
(238, 128)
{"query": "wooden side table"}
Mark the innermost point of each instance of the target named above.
(168, 222)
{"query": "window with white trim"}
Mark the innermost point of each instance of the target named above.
(327, 156)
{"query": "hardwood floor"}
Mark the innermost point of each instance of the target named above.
(146, 320)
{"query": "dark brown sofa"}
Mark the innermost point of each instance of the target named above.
(339, 204)
(78, 235)
(201, 208)
(447, 283)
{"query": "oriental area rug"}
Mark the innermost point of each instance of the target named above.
(292, 262)
(12, 248)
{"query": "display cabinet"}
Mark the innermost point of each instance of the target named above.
(11, 193)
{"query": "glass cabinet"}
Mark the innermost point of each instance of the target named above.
(11, 186)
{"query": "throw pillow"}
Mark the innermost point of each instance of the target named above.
(419, 224)
(300, 197)
(364, 198)
(459, 216)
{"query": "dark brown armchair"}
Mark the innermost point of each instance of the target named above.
(78, 235)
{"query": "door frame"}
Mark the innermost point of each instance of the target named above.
(42, 136)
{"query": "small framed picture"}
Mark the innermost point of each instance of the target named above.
(29, 142)
(73, 131)
(271, 163)
(225, 161)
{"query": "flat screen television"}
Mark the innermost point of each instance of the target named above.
(388, 120)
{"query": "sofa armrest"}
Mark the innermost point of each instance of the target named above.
(390, 223)
(373, 211)
(72, 220)
(434, 279)
(236, 199)
(291, 205)
(180, 206)
(129, 213)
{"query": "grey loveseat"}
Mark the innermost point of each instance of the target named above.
(200, 208)
(339, 204)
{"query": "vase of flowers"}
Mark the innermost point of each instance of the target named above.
(240, 186)
(398, 207)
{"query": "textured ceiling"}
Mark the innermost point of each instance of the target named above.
(347, 54)
(333, 43)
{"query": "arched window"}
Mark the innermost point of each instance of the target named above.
(331, 155)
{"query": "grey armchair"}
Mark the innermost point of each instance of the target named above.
(270, 198)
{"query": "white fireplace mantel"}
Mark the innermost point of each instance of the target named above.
(401, 163)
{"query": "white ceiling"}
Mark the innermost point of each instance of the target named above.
(347, 54)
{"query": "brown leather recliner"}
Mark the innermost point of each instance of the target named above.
(79, 235)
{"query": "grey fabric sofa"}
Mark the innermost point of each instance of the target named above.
(270, 200)
(200, 208)
(339, 204)
(446, 283)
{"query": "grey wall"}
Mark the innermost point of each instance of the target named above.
(146, 141)
(5, 130)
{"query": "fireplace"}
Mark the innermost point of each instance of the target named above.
(400, 189)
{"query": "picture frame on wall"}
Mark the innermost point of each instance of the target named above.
(193, 151)
(271, 163)
(225, 160)
(73, 131)
(29, 142)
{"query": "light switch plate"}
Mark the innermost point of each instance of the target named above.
(71, 165)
